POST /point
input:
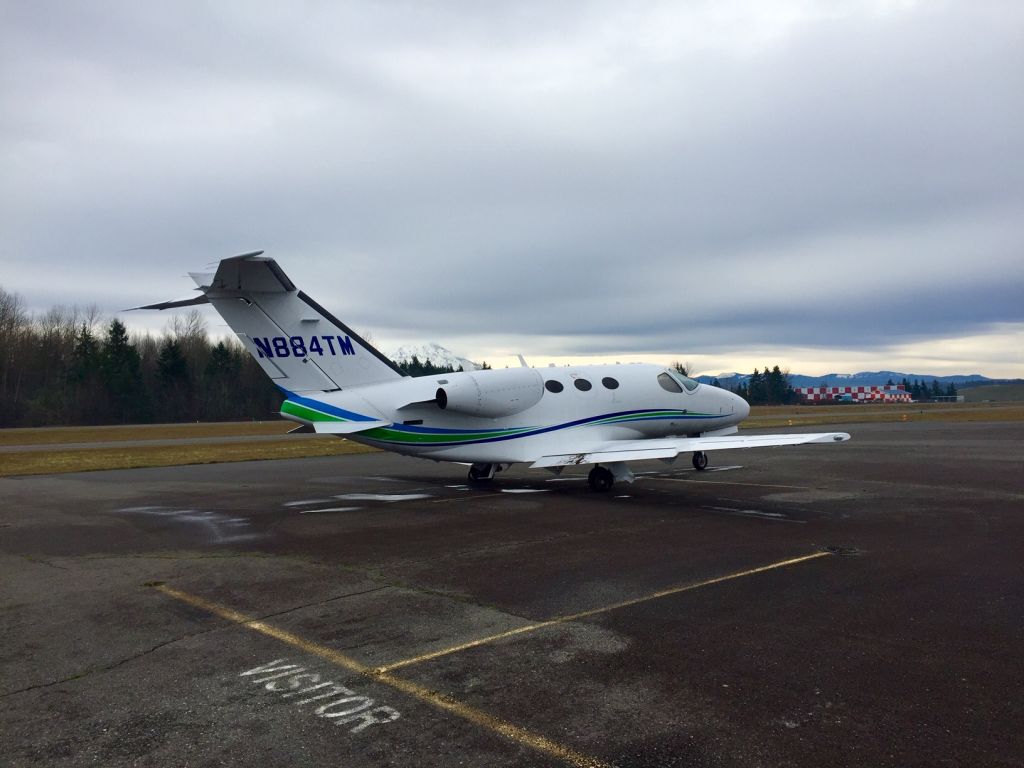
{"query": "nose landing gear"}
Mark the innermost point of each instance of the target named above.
(700, 460)
(601, 479)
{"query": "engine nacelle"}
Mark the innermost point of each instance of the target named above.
(491, 394)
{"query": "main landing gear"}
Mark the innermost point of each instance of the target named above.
(602, 478)
(700, 460)
(483, 473)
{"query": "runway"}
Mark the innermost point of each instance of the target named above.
(848, 605)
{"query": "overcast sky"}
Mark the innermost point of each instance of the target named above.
(831, 186)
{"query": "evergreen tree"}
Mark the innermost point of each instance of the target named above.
(87, 403)
(936, 389)
(220, 380)
(777, 387)
(416, 367)
(121, 375)
(173, 382)
(757, 387)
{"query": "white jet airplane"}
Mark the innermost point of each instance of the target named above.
(336, 383)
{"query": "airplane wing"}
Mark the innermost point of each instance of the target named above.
(670, 447)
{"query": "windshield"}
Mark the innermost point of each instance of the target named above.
(685, 381)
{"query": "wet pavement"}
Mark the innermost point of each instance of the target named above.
(856, 604)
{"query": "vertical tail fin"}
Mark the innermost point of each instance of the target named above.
(300, 345)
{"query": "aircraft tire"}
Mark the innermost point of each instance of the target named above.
(700, 461)
(601, 480)
(480, 473)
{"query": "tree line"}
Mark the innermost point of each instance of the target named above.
(69, 367)
(416, 367)
(920, 390)
(767, 388)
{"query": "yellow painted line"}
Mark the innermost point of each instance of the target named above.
(447, 703)
(595, 611)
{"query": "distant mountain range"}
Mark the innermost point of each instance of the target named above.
(434, 354)
(862, 379)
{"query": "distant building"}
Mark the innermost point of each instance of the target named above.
(886, 393)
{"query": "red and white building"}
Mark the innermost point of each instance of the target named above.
(886, 393)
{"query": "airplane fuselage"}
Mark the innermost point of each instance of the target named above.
(595, 402)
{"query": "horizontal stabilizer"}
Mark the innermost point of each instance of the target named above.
(347, 427)
(200, 299)
(666, 448)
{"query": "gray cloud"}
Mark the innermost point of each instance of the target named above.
(589, 178)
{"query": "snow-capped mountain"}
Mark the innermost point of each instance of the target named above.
(434, 354)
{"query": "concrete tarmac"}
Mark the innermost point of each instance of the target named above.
(859, 604)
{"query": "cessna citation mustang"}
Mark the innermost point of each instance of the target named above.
(334, 382)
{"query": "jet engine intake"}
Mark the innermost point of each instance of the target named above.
(491, 394)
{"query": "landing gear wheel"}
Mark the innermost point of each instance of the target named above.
(700, 460)
(481, 473)
(601, 479)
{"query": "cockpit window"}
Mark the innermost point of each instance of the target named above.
(668, 383)
(673, 381)
(688, 384)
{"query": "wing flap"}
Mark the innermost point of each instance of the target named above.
(638, 450)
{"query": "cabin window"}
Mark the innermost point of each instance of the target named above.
(582, 385)
(610, 383)
(668, 383)
(553, 386)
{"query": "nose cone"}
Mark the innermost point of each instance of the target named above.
(740, 407)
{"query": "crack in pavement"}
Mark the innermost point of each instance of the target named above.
(187, 636)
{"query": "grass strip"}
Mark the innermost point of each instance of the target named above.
(54, 462)
(55, 435)
(769, 416)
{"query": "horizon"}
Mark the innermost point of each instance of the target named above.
(800, 361)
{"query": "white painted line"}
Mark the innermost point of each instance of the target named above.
(385, 497)
(525, 490)
(306, 502)
(776, 517)
(328, 509)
